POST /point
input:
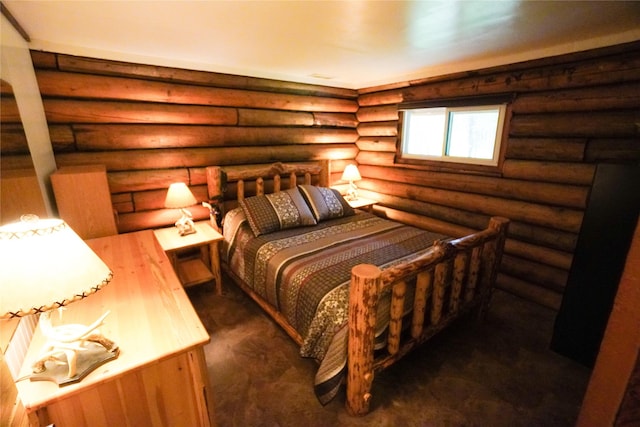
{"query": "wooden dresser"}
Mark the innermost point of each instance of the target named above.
(160, 377)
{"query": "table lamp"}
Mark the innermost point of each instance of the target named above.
(351, 173)
(45, 265)
(180, 197)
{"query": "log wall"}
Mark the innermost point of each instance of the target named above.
(13, 140)
(151, 126)
(570, 114)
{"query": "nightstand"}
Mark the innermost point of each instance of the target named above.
(192, 269)
(362, 203)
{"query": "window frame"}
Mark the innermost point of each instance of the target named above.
(458, 163)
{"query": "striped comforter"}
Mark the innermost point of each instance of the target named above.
(304, 273)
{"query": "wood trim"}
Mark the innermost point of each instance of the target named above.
(460, 167)
(14, 22)
(463, 101)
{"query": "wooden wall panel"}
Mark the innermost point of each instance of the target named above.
(151, 126)
(569, 113)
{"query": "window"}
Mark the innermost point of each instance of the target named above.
(455, 133)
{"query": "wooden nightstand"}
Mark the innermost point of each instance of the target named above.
(193, 270)
(362, 203)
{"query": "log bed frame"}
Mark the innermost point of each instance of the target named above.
(451, 280)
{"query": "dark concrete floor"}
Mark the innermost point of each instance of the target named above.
(499, 372)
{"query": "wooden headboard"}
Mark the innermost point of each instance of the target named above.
(228, 184)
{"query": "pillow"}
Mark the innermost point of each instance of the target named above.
(325, 203)
(232, 222)
(230, 226)
(277, 211)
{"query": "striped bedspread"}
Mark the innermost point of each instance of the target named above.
(304, 273)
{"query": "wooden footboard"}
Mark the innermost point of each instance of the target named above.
(450, 280)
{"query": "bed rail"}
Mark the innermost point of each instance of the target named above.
(450, 280)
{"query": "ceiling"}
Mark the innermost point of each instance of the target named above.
(350, 44)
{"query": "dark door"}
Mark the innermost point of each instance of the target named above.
(602, 246)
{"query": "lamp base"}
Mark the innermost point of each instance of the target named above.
(185, 224)
(352, 192)
(94, 356)
(186, 231)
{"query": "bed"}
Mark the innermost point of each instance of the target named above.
(356, 291)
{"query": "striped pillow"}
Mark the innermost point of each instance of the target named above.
(325, 203)
(277, 211)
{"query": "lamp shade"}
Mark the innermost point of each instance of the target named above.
(179, 196)
(351, 173)
(45, 265)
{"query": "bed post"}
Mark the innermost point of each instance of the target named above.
(363, 301)
(491, 262)
(325, 173)
(214, 182)
(215, 189)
